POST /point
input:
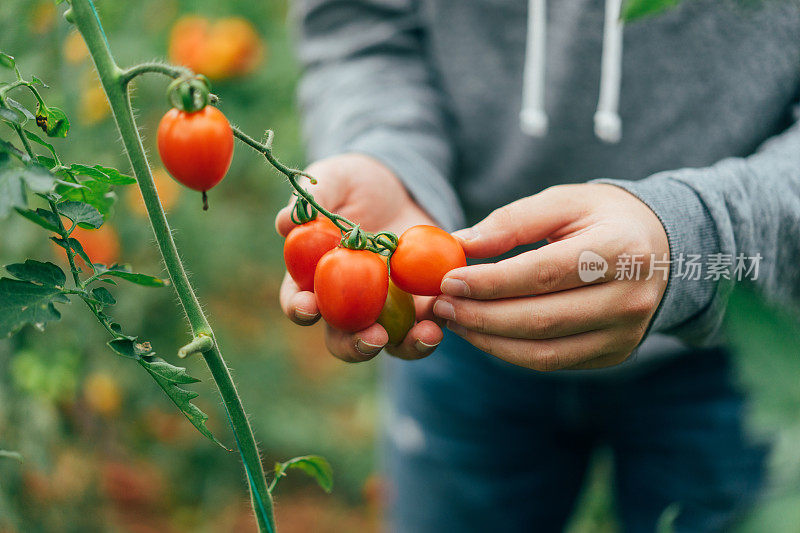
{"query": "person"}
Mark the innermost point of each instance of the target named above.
(482, 113)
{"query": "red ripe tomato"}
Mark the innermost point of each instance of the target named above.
(351, 288)
(196, 148)
(423, 256)
(304, 247)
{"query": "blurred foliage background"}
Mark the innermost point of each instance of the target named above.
(104, 449)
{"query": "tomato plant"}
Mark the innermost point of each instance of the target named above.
(196, 147)
(423, 256)
(398, 314)
(304, 247)
(351, 288)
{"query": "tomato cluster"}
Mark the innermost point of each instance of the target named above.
(353, 287)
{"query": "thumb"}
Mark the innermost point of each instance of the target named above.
(522, 222)
(329, 191)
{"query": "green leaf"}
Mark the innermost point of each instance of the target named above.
(46, 274)
(23, 302)
(103, 296)
(42, 217)
(81, 213)
(38, 178)
(93, 192)
(145, 280)
(35, 80)
(5, 454)
(38, 140)
(168, 378)
(12, 191)
(7, 61)
(315, 466)
(105, 174)
(11, 116)
(634, 9)
(53, 121)
(76, 246)
(21, 108)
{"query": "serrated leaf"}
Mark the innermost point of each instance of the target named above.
(102, 295)
(7, 61)
(42, 217)
(38, 272)
(81, 213)
(93, 192)
(5, 454)
(53, 121)
(23, 302)
(76, 246)
(145, 280)
(168, 378)
(635, 9)
(126, 347)
(12, 191)
(315, 466)
(108, 175)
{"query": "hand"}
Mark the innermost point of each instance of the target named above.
(363, 190)
(533, 309)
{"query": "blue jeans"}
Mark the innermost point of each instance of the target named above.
(475, 444)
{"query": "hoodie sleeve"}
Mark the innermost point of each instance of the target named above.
(741, 208)
(367, 87)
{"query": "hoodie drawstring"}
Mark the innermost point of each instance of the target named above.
(533, 117)
(607, 124)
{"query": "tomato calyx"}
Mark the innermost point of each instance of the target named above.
(189, 94)
(355, 239)
(302, 211)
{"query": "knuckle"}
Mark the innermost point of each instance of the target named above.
(545, 358)
(547, 277)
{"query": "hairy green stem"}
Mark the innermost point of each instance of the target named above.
(114, 82)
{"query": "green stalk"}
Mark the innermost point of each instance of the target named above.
(114, 82)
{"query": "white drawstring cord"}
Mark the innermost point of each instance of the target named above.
(532, 117)
(607, 123)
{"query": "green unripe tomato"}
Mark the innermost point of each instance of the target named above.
(398, 314)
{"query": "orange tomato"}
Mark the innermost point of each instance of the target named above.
(226, 48)
(101, 245)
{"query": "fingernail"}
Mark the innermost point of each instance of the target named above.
(302, 315)
(444, 310)
(454, 287)
(466, 235)
(456, 328)
(425, 348)
(367, 348)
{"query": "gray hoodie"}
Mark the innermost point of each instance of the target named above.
(436, 89)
